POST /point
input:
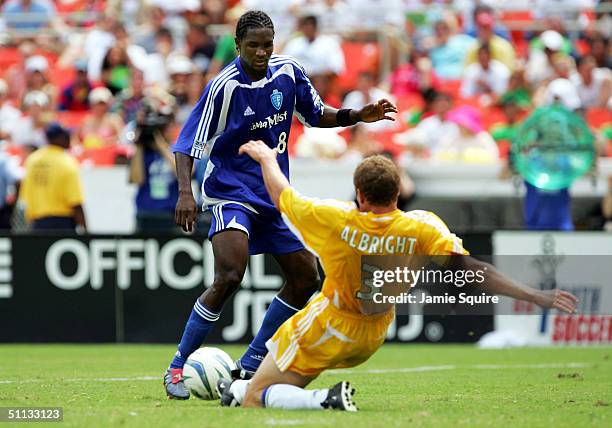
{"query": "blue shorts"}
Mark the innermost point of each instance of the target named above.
(267, 233)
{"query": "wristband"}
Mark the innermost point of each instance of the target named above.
(343, 117)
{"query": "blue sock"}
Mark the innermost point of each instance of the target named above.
(198, 325)
(278, 312)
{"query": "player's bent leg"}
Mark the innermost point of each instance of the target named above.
(302, 280)
(285, 390)
(231, 254)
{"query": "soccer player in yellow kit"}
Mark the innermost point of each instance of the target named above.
(333, 330)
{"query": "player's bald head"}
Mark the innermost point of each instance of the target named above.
(378, 180)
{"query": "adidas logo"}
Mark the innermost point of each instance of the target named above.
(249, 111)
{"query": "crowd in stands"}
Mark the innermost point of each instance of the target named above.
(464, 73)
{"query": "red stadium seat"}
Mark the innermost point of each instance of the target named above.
(597, 117)
(358, 56)
(61, 77)
(70, 119)
(451, 87)
(8, 57)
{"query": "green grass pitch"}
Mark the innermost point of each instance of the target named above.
(401, 386)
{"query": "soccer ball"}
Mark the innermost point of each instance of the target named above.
(204, 368)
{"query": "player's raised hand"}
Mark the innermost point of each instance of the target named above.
(557, 299)
(377, 111)
(186, 212)
(258, 150)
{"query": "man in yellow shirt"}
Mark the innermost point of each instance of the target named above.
(501, 49)
(51, 189)
(335, 330)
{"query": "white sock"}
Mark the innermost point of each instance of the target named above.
(239, 388)
(291, 397)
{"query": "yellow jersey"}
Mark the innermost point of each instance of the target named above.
(51, 186)
(339, 234)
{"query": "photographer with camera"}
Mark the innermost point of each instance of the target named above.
(152, 167)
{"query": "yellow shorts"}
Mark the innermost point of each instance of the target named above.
(321, 337)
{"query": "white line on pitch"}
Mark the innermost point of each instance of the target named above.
(344, 371)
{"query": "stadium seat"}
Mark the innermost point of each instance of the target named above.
(597, 117)
(70, 119)
(61, 77)
(358, 56)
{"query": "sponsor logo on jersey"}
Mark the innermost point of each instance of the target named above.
(277, 99)
(269, 121)
(249, 111)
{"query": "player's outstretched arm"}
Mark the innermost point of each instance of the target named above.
(380, 110)
(498, 283)
(274, 178)
(186, 210)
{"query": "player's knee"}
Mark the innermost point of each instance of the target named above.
(307, 281)
(226, 282)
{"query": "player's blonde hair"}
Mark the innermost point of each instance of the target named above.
(378, 180)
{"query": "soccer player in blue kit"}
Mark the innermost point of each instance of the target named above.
(253, 98)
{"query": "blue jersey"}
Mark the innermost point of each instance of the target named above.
(234, 110)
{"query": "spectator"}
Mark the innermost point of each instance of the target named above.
(180, 68)
(156, 66)
(10, 176)
(225, 52)
(75, 96)
(9, 115)
(594, 84)
(486, 78)
(501, 49)
(16, 74)
(416, 77)
(361, 145)
(36, 79)
(97, 44)
(195, 87)
(115, 69)
(564, 92)
(473, 144)
(29, 15)
(29, 131)
(600, 49)
(129, 101)
(473, 22)
(425, 137)
(51, 189)
(318, 54)
(100, 128)
(366, 93)
(334, 15)
(152, 168)
(146, 33)
(541, 61)
(201, 46)
(449, 50)
(514, 104)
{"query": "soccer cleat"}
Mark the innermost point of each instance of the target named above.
(174, 385)
(340, 397)
(242, 373)
(227, 398)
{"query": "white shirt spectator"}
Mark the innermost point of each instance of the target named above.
(590, 94)
(323, 55)
(429, 133)
(280, 11)
(374, 14)
(358, 99)
(24, 133)
(495, 77)
(334, 17)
